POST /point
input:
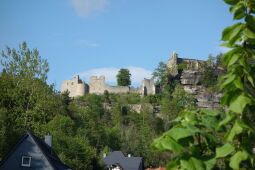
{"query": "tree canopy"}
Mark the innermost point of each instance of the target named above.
(123, 77)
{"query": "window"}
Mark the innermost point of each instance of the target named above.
(26, 161)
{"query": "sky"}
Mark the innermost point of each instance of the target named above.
(98, 37)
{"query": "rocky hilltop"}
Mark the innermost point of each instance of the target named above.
(190, 78)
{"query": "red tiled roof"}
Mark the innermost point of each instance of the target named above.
(160, 168)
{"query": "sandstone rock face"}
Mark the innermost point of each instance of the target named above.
(193, 89)
(208, 101)
(190, 79)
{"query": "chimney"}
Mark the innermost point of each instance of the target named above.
(104, 155)
(129, 155)
(48, 140)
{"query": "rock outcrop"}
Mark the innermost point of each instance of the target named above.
(190, 79)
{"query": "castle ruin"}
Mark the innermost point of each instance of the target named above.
(75, 87)
(189, 76)
(190, 64)
(97, 85)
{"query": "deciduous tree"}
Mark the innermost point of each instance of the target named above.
(123, 77)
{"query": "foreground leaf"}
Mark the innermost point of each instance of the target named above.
(179, 133)
(237, 158)
(236, 129)
(224, 150)
(197, 164)
(239, 104)
(210, 164)
(231, 2)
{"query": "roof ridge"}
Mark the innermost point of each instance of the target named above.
(52, 156)
(40, 147)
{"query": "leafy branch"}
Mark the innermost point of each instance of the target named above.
(194, 135)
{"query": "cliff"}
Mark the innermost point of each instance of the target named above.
(190, 78)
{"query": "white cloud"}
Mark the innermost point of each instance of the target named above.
(137, 74)
(85, 8)
(88, 43)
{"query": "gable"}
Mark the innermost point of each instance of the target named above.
(26, 148)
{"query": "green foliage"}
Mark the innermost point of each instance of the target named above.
(161, 74)
(123, 77)
(26, 101)
(125, 98)
(181, 67)
(24, 62)
(106, 97)
(238, 84)
(224, 150)
(210, 72)
(73, 148)
(83, 129)
(173, 103)
(209, 77)
(194, 135)
(152, 99)
(189, 138)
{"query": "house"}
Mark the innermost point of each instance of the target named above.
(32, 153)
(160, 168)
(118, 161)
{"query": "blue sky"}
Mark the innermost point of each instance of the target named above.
(95, 37)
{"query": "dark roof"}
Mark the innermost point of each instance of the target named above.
(47, 151)
(127, 163)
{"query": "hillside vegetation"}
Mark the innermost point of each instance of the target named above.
(169, 130)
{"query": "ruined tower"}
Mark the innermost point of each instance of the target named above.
(75, 87)
(172, 64)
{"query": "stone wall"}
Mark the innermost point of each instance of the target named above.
(172, 64)
(147, 87)
(75, 86)
(191, 64)
(97, 85)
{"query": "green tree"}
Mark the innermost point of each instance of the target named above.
(219, 60)
(161, 74)
(24, 62)
(210, 74)
(171, 105)
(26, 101)
(72, 148)
(106, 97)
(123, 77)
(238, 86)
